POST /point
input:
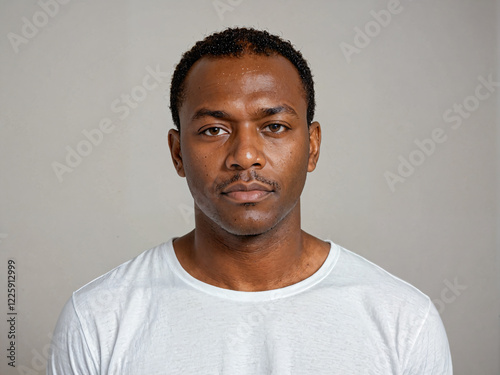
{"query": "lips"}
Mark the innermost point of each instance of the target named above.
(247, 193)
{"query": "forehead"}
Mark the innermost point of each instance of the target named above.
(242, 81)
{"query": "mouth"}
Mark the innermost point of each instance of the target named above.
(247, 193)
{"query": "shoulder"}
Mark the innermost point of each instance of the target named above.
(395, 308)
(377, 289)
(97, 312)
(138, 274)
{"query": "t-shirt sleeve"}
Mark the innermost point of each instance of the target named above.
(70, 353)
(430, 353)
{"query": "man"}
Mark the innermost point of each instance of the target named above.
(247, 291)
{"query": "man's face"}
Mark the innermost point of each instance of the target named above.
(244, 145)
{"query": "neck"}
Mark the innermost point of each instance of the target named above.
(282, 256)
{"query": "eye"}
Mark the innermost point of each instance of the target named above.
(214, 131)
(276, 128)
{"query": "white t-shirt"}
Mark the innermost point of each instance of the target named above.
(149, 316)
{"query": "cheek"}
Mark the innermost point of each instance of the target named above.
(201, 174)
(194, 162)
(291, 166)
(293, 160)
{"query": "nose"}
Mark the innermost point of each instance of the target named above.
(246, 150)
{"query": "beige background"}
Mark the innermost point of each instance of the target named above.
(437, 228)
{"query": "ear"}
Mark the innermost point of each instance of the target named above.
(174, 143)
(314, 145)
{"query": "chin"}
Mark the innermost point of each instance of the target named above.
(246, 232)
(249, 227)
(248, 222)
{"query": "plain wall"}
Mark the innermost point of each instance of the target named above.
(437, 226)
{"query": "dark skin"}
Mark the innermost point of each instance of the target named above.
(245, 149)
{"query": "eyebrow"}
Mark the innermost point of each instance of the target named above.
(282, 108)
(205, 112)
(260, 113)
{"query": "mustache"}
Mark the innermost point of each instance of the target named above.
(248, 177)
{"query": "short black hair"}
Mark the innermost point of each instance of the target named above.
(235, 42)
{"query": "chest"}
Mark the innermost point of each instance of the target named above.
(283, 337)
